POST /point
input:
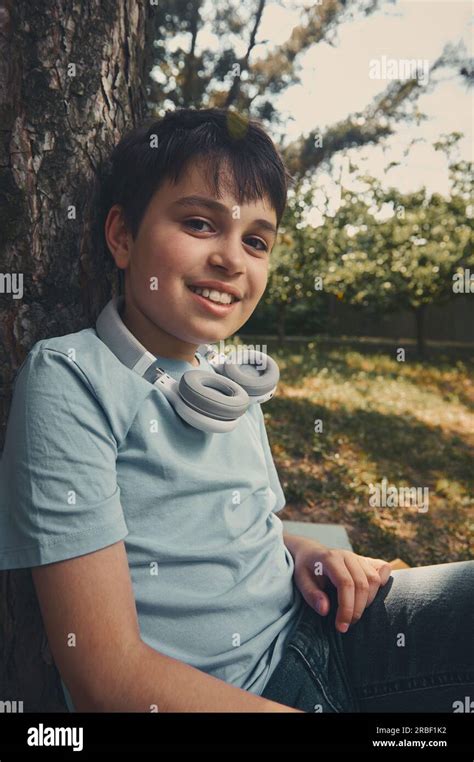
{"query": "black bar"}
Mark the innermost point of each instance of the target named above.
(442, 734)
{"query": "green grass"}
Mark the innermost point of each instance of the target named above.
(410, 422)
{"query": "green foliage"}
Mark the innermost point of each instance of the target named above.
(383, 251)
(405, 261)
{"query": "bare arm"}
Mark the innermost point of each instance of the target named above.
(293, 541)
(172, 686)
(88, 609)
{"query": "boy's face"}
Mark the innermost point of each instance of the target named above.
(180, 244)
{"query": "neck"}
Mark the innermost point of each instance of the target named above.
(154, 339)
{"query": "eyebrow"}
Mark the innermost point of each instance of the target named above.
(187, 201)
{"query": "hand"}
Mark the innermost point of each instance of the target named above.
(357, 579)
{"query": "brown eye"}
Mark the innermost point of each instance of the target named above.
(265, 247)
(195, 220)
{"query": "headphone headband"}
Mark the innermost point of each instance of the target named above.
(209, 401)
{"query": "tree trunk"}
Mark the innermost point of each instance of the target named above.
(420, 334)
(281, 322)
(72, 80)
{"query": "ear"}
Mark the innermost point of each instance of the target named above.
(118, 237)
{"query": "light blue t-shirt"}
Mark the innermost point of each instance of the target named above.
(95, 454)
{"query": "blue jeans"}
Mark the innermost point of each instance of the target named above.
(411, 651)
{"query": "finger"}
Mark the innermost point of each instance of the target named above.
(341, 578)
(361, 585)
(373, 578)
(321, 599)
(322, 603)
(309, 586)
(382, 567)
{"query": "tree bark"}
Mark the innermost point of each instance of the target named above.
(72, 80)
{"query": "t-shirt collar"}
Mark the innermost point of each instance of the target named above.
(174, 367)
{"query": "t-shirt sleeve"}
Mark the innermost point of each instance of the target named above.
(280, 500)
(59, 496)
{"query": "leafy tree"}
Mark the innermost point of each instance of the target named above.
(192, 75)
(406, 261)
(288, 282)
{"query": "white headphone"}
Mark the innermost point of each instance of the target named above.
(211, 402)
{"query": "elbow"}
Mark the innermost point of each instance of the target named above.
(111, 687)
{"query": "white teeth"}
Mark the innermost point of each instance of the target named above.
(213, 295)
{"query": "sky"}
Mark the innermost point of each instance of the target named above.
(335, 83)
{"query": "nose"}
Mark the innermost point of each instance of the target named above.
(229, 253)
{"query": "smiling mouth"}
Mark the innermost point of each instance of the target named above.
(214, 296)
(215, 308)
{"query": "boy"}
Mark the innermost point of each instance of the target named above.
(164, 579)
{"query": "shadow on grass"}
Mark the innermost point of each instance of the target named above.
(402, 447)
(399, 448)
(302, 363)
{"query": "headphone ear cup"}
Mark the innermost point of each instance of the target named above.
(258, 375)
(213, 395)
